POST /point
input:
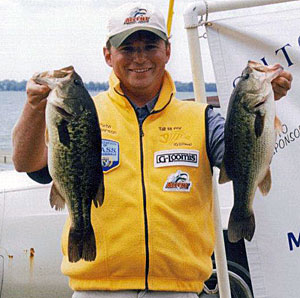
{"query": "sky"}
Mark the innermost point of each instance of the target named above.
(39, 35)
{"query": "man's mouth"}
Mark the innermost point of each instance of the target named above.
(140, 70)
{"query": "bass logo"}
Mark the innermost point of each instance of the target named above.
(110, 156)
(179, 181)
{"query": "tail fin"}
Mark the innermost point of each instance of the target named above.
(239, 227)
(89, 245)
(75, 245)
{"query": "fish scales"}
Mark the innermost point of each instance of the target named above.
(250, 137)
(69, 161)
(74, 157)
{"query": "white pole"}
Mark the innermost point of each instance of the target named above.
(222, 5)
(196, 64)
(199, 91)
(220, 253)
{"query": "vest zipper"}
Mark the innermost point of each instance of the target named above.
(141, 134)
(145, 207)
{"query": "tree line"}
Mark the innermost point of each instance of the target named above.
(12, 85)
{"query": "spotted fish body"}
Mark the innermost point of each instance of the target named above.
(73, 138)
(250, 136)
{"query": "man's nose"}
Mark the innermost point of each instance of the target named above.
(139, 54)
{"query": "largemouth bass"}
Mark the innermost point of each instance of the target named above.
(250, 135)
(73, 138)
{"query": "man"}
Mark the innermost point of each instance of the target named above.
(154, 232)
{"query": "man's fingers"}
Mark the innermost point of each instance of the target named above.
(37, 94)
(33, 88)
(282, 84)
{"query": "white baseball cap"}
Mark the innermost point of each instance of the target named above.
(135, 16)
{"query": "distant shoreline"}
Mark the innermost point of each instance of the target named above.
(12, 85)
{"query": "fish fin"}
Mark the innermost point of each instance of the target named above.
(277, 125)
(265, 185)
(63, 133)
(259, 124)
(56, 199)
(89, 245)
(75, 245)
(239, 227)
(223, 177)
(100, 194)
(46, 137)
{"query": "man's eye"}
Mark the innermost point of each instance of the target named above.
(150, 47)
(127, 49)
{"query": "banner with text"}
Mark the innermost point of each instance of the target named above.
(269, 37)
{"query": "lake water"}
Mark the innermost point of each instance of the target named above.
(11, 105)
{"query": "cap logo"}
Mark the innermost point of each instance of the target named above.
(138, 15)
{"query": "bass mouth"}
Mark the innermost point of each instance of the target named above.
(259, 104)
(63, 112)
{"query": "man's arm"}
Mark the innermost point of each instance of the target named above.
(28, 137)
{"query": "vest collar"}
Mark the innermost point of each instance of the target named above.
(167, 92)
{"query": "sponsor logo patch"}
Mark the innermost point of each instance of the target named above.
(176, 157)
(137, 15)
(110, 155)
(179, 181)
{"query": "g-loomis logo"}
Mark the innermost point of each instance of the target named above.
(178, 182)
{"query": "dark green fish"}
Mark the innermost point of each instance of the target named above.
(73, 138)
(250, 136)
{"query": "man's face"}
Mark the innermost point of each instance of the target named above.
(139, 62)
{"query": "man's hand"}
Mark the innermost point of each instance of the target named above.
(37, 95)
(282, 84)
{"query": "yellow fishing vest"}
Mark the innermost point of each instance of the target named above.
(155, 228)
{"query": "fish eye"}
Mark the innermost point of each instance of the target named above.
(77, 82)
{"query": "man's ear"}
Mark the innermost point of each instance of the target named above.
(168, 52)
(107, 56)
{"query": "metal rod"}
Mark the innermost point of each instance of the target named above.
(196, 64)
(199, 91)
(220, 253)
(195, 9)
(223, 5)
(170, 17)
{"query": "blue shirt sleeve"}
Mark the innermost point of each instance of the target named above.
(41, 176)
(215, 137)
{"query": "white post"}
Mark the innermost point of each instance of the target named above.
(196, 64)
(191, 24)
(220, 253)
